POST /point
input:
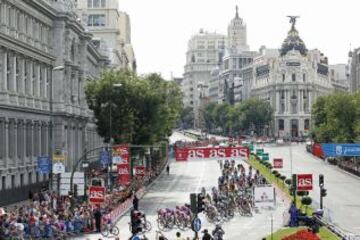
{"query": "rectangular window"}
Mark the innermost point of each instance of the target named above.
(37, 177)
(96, 20)
(306, 124)
(3, 182)
(304, 77)
(12, 181)
(283, 77)
(11, 139)
(21, 179)
(293, 77)
(28, 139)
(30, 178)
(281, 124)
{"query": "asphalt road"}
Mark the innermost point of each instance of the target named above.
(343, 189)
(185, 178)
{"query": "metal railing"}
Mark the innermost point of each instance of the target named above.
(18, 194)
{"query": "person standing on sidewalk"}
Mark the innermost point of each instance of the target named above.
(168, 169)
(97, 216)
(135, 202)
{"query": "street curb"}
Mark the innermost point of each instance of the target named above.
(145, 190)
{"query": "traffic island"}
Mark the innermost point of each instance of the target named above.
(290, 233)
(280, 183)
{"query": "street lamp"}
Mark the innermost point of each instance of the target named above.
(109, 167)
(51, 145)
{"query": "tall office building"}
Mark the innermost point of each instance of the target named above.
(111, 27)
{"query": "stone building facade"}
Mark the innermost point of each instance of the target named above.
(36, 37)
(291, 82)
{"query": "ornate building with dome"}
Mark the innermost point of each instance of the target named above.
(291, 81)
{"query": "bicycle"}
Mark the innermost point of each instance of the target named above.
(160, 236)
(110, 229)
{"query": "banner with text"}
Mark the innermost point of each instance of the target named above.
(123, 174)
(184, 154)
(121, 154)
(139, 171)
(341, 150)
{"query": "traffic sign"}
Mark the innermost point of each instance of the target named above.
(196, 224)
(135, 238)
(58, 158)
(58, 168)
(104, 157)
(304, 182)
(44, 164)
(96, 194)
(278, 163)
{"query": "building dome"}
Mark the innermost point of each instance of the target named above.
(293, 41)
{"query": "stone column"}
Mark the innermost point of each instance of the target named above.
(3, 69)
(21, 76)
(12, 76)
(30, 73)
(298, 101)
(287, 101)
(277, 98)
(6, 143)
(310, 100)
(36, 82)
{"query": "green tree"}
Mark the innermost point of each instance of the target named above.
(187, 118)
(144, 110)
(335, 118)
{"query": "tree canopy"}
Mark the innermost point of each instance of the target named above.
(144, 109)
(336, 118)
(241, 118)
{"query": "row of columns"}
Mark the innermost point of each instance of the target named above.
(23, 75)
(300, 93)
(22, 141)
(21, 25)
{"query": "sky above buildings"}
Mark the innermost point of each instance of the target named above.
(162, 28)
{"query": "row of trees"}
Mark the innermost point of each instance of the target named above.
(336, 118)
(142, 109)
(242, 118)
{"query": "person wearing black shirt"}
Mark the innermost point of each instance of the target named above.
(97, 216)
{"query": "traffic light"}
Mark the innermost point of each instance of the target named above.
(200, 203)
(323, 192)
(321, 180)
(193, 203)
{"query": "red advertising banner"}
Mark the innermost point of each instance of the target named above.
(184, 154)
(123, 174)
(304, 182)
(96, 194)
(318, 151)
(140, 171)
(121, 154)
(278, 163)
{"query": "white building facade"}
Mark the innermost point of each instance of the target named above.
(111, 28)
(291, 83)
(205, 53)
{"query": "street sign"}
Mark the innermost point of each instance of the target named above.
(196, 224)
(96, 194)
(139, 171)
(58, 158)
(304, 182)
(58, 168)
(135, 238)
(278, 163)
(104, 157)
(43, 164)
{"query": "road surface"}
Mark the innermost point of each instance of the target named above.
(185, 178)
(343, 189)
